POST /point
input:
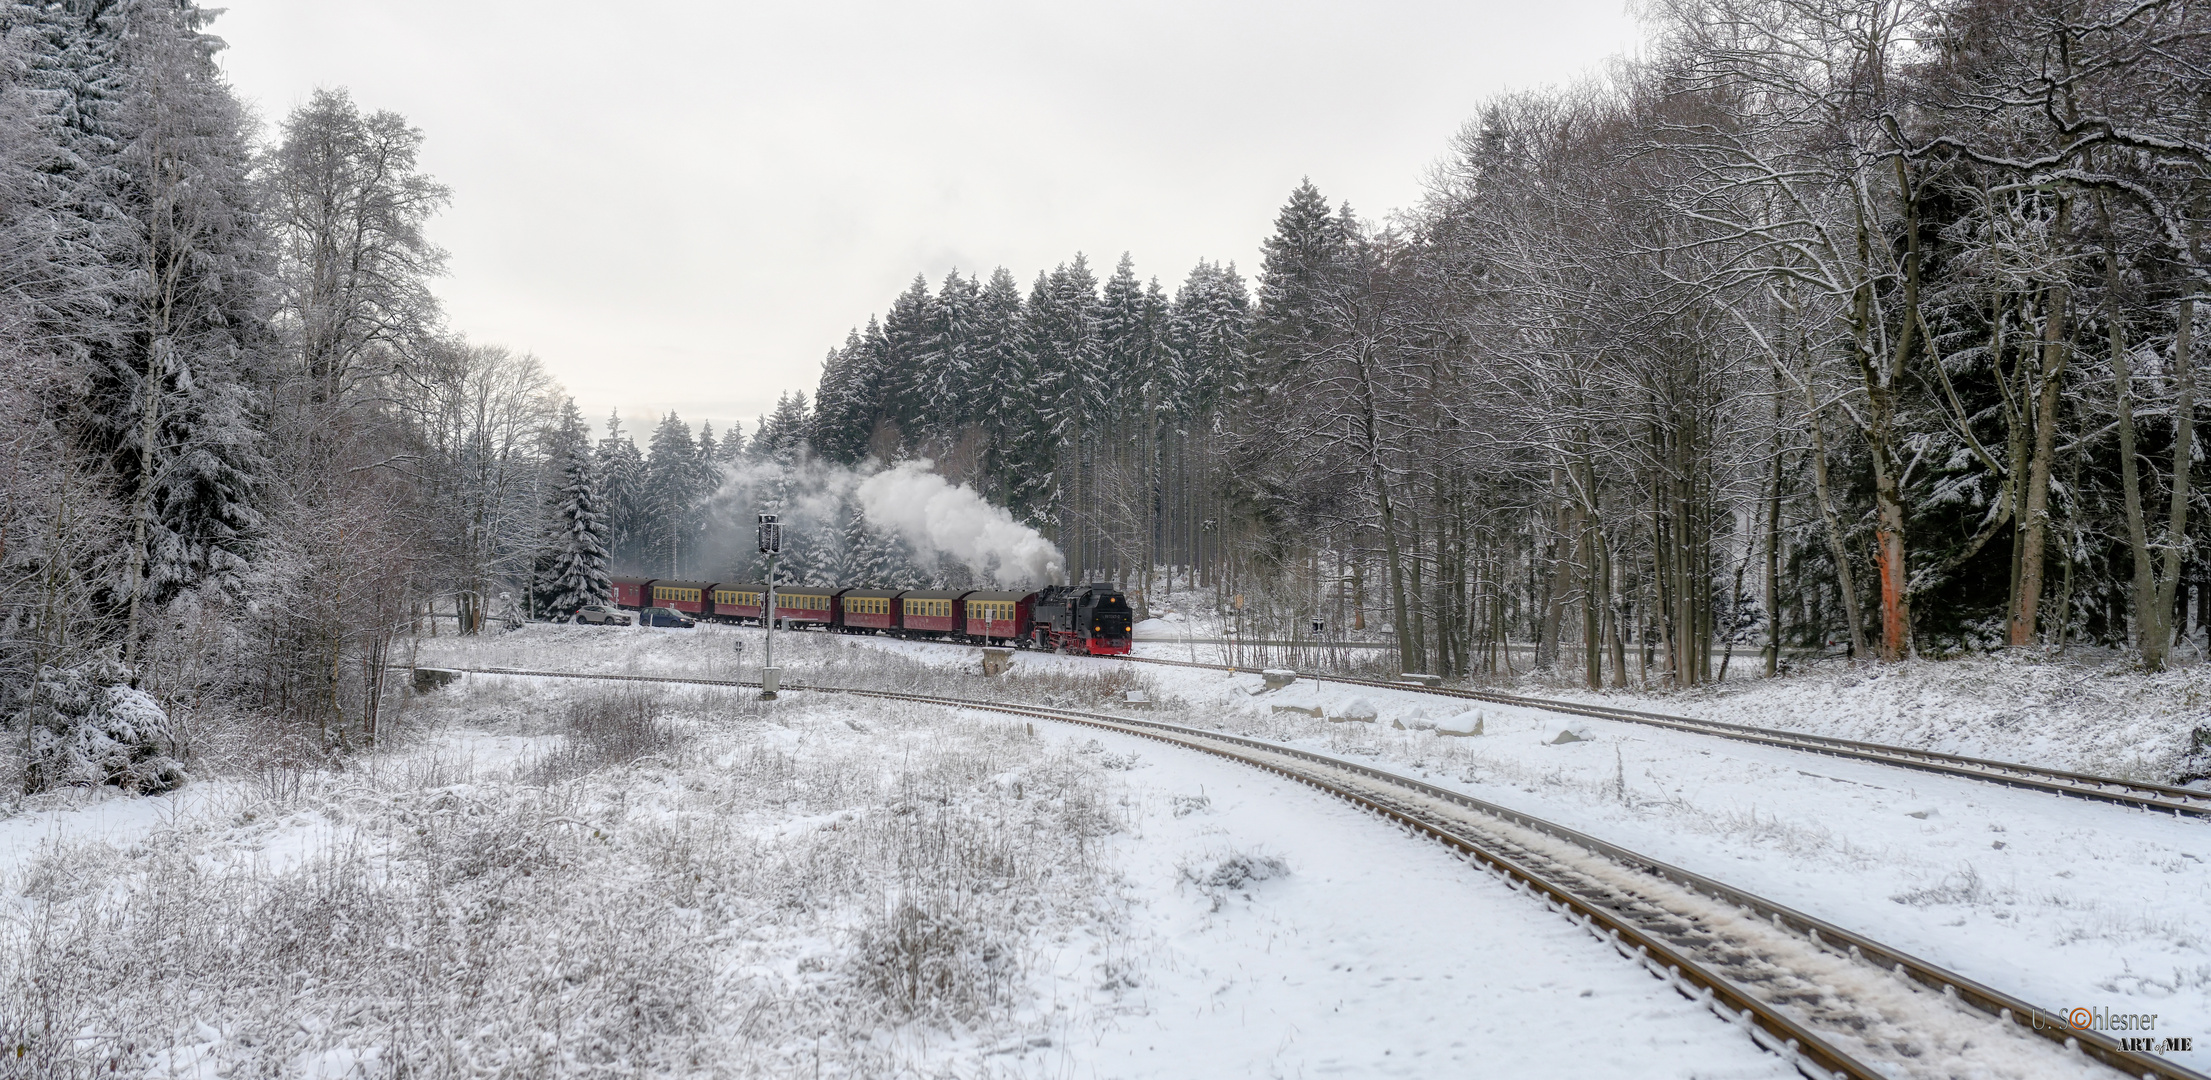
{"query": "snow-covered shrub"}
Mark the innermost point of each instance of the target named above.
(2195, 757)
(1235, 872)
(926, 957)
(89, 726)
(613, 728)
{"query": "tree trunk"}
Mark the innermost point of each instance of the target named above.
(1836, 547)
(2155, 587)
(2035, 525)
(1773, 543)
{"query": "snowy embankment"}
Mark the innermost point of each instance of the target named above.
(2064, 902)
(2089, 712)
(551, 877)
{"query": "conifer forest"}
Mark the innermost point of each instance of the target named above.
(1818, 328)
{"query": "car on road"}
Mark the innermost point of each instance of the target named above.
(660, 616)
(603, 615)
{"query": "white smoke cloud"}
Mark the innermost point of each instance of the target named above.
(932, 522)
(935, 516)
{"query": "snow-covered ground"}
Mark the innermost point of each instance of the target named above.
(761, 890)
(2090, 711)
(548, 877)
(2063, 902)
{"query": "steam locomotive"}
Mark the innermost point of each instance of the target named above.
(1093, 619)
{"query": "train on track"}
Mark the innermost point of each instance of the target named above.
(1093, 619)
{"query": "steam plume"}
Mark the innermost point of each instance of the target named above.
(937, 517)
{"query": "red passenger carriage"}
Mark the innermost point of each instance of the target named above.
(688, 597)
(867, 610)
(997, 616)
(739, 601)
(930, 612)
(805, 605)
(632, 592)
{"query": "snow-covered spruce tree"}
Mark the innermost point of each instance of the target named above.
(844, 402)
(732, 446)
(999, 361)
(951, 346)
(1124, 342)
(873, 557)
(901, 396)
(706, 479)
(88, 726)
(782, 434)
(570, 435)
(170, 405)
(620, 470)
(579, 570)
(1305, 265)
(670, 510)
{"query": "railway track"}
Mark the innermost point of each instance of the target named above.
(2142, 795)
(1831, 1002)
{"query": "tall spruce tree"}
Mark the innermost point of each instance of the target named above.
(170, 401)
(568, 436)
(844, 404)
(671, 496)
(951, 347)
(996, 390)
(909, 358)
(621, 473)
(782, 434)
(1124, 342)
(1305, 262)
(578, 575)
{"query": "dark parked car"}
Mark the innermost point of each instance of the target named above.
(660, 616)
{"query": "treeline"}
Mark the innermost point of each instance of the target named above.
(1094, 408)
(1867, 326)
(240, 450)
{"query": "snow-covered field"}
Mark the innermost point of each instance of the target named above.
(2062, 902)
(561, 878)
(557, 877)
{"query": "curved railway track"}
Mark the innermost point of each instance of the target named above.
(2142, 795)
(1831, 1002)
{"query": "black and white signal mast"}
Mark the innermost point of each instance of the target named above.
(771, 544)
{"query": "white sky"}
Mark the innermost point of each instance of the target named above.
(686, 204)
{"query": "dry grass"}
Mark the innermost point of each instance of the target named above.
(677, 884)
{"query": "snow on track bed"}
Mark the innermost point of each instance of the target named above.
(2141, 795)
(1783, 975)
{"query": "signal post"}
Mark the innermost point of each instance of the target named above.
(771, 544)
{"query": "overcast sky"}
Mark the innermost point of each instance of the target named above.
(686, 204)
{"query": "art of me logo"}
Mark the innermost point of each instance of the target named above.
(2084, 1018)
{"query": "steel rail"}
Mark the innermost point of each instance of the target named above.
(2140, 794)
(1770, 1028)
